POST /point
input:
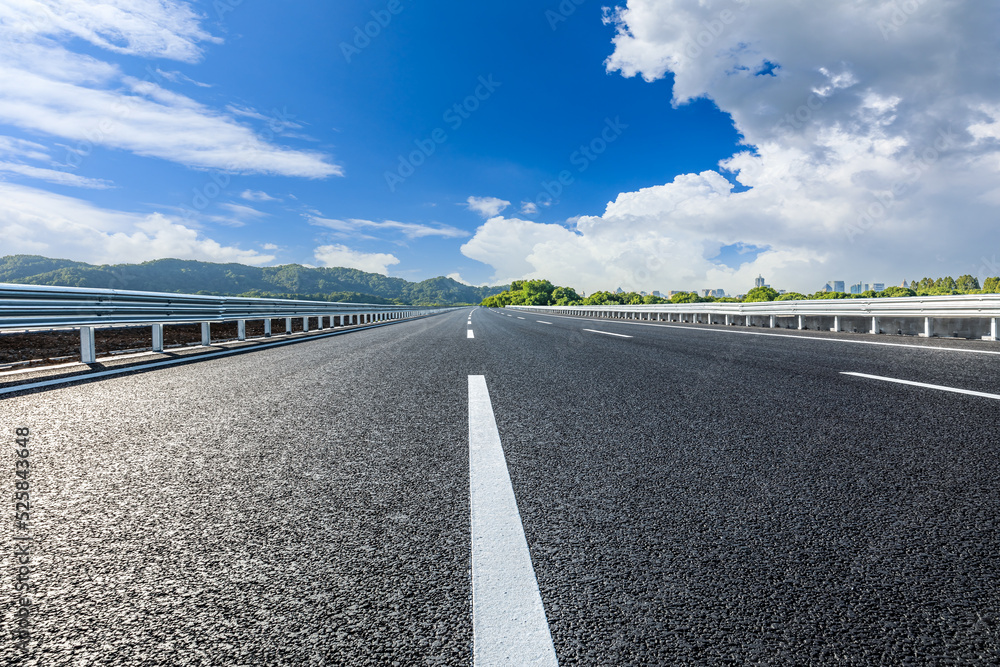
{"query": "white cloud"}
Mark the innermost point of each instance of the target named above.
(458, 278)
(341, 255)
(54, 176)
(874, 150)
(150, 28)
(179, 77)
(487, 207)
(257, 195)
(20, 148)
(48, 89)
(410, 230)
(529, 208)
(37, 222)
(241, 211)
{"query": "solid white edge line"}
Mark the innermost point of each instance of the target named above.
(953, 390)
(761, 333)
(471, 335)
(607, 333)
(509, 626)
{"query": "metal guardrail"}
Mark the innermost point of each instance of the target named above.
(929, 313)
(42, 307)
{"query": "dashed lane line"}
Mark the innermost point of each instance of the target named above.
(938, 387)
(509, 626)
(777, 335)
(607, 333)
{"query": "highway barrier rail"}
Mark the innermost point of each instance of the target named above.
(31, 307)
(963, 316)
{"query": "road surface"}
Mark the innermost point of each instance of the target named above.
(688, 495)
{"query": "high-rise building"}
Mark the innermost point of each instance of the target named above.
(838, 286)
(878, 287)
(656, 292)
(759, 281)
(857, 288)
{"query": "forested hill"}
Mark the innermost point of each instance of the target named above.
(287, 281)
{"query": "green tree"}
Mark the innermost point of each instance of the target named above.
(685, 297)
(791, 296)
(946, 284)
(967, 283)
(896, 290)
(761, 294)
(992, 285)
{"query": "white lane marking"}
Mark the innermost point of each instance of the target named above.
(761, 333)
(471, 335)
(541, 322)
(520, 318)
(925, 385)
(607, 333)
(508, 619)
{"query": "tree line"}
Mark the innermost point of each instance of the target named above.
(545, 293)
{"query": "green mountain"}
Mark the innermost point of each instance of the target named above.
(292, 281)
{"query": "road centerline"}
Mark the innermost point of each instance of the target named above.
(509, 626)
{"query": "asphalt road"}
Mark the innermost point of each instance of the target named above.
(689, 495)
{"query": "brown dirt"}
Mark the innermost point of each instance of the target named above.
(62, 346)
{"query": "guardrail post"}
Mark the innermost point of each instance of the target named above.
(727, 320)
(836, 324)
(288, 325)
(88, 346)
(206, 333)
(157, 338)
(305, 324)
(267, 328)
(875, 328)
(802, 322)
(994, 321)
(773, 322)
(927, 328)
(241, 329)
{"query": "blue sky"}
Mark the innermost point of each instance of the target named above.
(698, 143)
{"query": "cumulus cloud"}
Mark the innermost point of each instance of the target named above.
(342, 256)
(46, 88)
(33, 221)
(872, 138)
(487, 207)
